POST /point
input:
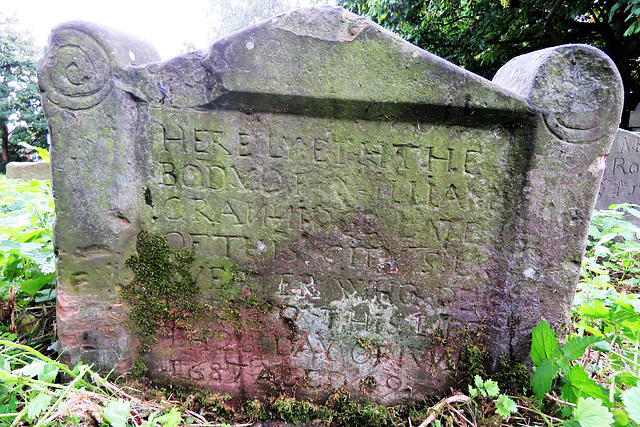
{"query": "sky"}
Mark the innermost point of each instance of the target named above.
(166, 24)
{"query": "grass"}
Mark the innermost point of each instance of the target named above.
(591, 380)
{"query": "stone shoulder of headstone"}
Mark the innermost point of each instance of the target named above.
(395, 206)
(84, 61)
(28, 171)
(569, 85)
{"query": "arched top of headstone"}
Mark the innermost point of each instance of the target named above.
(577, 87)
(82, 61)
(316, 61)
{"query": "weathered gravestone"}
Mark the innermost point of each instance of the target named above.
(28, 171)
(362, 212)
(621, 180)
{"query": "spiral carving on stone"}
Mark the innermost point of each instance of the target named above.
(581, 103)
(76, 73)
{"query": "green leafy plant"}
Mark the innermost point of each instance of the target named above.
(612, 249)
(505, 406)
(27, 276)
(553, 361)
(31, 393)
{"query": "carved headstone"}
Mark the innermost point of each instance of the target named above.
(28, 171)
(362, 212)
(621, 180)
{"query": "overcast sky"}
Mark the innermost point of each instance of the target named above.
(166, 24)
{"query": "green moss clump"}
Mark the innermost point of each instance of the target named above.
(513, 375)
(474, 364)
(162, 288)
(288, 408)
(139, 369)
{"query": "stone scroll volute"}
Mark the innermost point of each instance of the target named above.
(394, 209)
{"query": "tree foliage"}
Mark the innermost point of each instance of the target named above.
(232, 15)
(482, 35)
(21, 116)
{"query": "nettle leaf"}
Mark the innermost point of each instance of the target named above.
(39, 253)
(624, 311)
(631, 400)
(596, 310)
(4, 363)
(7, 378)
(630, 330)
(38, 404)
(117, 413)
(543, 342)
(635, 303)
(575, 347)
(589, 412)
(32, 286)
(579, 384)
(626, 378)
(543, 377)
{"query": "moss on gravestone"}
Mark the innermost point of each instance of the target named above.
(162, 287)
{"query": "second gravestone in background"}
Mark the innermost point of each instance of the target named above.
(621, 180)
(364, 215)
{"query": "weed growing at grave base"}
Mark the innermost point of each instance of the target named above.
(32, 393)
(592, 379)
(27, 292)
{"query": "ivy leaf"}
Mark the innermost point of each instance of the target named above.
(543, 377)
(589, 412)
(631, 400)
(579, 384)
(117, 413)
(38, 404)
(543, 342)
(575, 347)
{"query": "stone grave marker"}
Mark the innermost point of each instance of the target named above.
(363, 215)
(28, 171)
(621, 180)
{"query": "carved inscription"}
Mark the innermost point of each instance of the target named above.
(622, 174)
(344, 222)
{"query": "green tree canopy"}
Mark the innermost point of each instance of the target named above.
(482, 35)
(21, 116)
(231, 15)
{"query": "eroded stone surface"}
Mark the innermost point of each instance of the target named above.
(385, 208)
